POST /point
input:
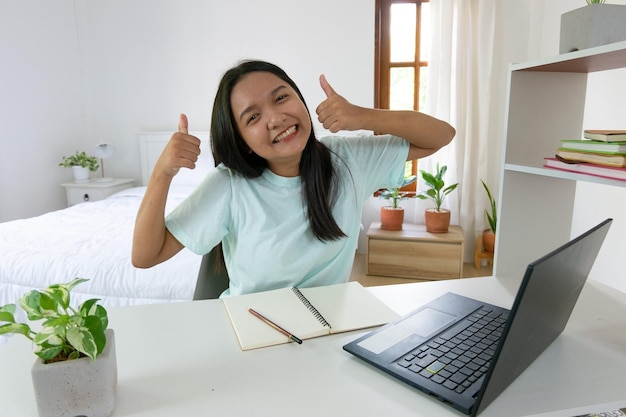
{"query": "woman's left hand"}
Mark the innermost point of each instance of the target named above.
(336, 113)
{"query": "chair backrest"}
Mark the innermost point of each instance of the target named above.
(211, 282)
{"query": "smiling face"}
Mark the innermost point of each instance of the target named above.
(272, 120)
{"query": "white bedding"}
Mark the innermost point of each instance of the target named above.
(92, 240)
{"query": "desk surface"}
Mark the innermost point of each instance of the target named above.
(182, 359)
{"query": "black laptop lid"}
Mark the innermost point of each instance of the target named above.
(541, 309)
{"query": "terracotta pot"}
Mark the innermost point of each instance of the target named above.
(489, 240)
(437, 221)
(391, 218)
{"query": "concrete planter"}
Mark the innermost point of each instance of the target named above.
(79, 387)
(592, 25)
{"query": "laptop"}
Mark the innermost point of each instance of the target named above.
(466, 352)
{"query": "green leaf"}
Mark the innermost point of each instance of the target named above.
(101, 313)
(70, 285)
(30, 304)
(8, 308)
(48, 352)
(83, 341)
(59, 294)
(7, 313)
(74, 355)
(16, 328)
(60, 321)
(48, 336)
(96, 328)
(449, 189)
(429, 178)
(49, 307)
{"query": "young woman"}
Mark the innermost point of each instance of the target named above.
(285, 206)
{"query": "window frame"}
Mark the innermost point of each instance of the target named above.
(383, 64)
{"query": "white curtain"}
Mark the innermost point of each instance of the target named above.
(461, 62)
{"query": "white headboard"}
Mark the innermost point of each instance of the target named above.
(151, 144)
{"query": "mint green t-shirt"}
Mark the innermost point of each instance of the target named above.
(262, 222)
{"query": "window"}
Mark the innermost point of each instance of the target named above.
(401, 53)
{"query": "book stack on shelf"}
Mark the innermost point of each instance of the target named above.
(601, 153)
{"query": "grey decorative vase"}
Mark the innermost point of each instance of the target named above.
(592, 25)
(79, 387)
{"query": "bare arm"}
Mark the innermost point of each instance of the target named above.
(152, 242)
(426, 134)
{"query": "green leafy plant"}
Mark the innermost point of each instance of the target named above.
(595, 1)
(65, 333)
(80, 159)
(493, 217)
(437, 190)
(394, 195)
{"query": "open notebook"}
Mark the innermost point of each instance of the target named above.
(305, 312)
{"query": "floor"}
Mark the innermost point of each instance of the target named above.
(358, 273)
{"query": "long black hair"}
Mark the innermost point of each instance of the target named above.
(317, 173)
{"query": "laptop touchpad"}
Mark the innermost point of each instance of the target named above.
(422, 323)
(426, 321)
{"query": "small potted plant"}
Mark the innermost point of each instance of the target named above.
(437, 219)
(76, 370)
(489, 235)
(392, 217)
(81, 164)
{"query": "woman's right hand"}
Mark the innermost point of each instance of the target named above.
(180, 152)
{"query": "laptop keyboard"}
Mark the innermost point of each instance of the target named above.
(461, 355)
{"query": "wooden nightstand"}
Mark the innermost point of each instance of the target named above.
(414, 253)
(80, 192)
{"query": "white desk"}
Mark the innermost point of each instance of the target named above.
(183, 360)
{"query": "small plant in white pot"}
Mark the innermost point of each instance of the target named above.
(76, 370)
(81, 164)
(392, 216)
(437, 219)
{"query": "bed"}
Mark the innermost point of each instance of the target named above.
(93, 240)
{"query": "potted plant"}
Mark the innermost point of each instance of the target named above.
(437, 219)
(81, 164)
(489, 235)
(392, 217)
(76, 370)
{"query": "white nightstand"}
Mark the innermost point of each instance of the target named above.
(79, 192)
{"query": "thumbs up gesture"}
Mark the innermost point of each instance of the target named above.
(180, 152)
(336, 113)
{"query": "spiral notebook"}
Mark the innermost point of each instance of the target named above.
(305, 312)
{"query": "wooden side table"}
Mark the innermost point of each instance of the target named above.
(414, 253)
(480, 253)
(80, 192)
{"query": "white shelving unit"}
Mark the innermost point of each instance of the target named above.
(545, 103)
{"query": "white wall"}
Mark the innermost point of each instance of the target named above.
(41, 103)
(75, 73)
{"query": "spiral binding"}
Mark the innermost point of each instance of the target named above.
(311, 308)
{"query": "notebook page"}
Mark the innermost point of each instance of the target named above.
(349, 306)
(281, 306)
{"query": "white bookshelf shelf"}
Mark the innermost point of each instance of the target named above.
(545, 104)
